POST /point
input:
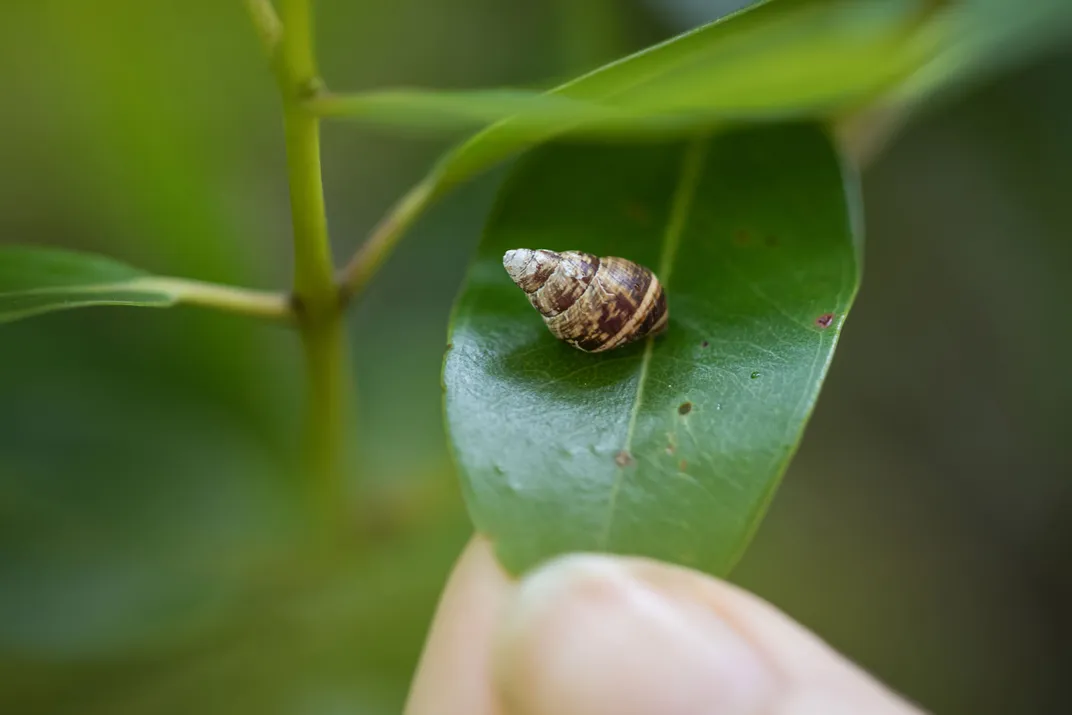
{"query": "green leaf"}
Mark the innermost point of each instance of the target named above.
(773, 60)
(673, 447)
(776, 58)
(41, 280)
(799, 57)
(469, 109)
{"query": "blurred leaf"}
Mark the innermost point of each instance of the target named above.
(779, 57)
(988, 34)
(671, 448)
(776, 59)
(41, 280)
(446, 110)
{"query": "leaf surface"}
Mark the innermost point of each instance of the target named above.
(42, 280)
(672, 447)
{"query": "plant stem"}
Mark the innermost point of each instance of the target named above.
(313, 280)
(319, 308)
(266, 23)
(297, 17)
(328, 393)
(356, 274)
(231, 299)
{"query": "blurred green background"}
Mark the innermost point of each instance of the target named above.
(149, 557)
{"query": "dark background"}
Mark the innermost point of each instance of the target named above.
(148, 558)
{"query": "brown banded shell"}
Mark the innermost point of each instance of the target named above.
(592, 303)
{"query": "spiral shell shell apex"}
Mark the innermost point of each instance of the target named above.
(592, 303)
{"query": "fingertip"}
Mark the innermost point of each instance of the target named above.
(453, 675)
(596, 635)
(804, 660)
(584, 636)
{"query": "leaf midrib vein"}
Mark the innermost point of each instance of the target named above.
(691, 172)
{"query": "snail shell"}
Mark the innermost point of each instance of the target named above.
(592, 303)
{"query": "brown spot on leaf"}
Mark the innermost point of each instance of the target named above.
(682, 465)
(742, 237)
(670, 449)
(704, 344)
(825, 320)
(684, 408)
(623, 458)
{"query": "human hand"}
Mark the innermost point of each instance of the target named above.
(601, 635)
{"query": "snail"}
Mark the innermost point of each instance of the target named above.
(592, 303)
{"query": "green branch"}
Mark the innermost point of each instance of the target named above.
(288, 40)
(298, 57)
(230, 299)
(267, 24)
(368, 259)
(313, 280)
(326, 368)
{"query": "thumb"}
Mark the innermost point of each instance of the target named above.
(596, 635)
(600, 635)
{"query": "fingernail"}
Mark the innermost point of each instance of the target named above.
(586, 637)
